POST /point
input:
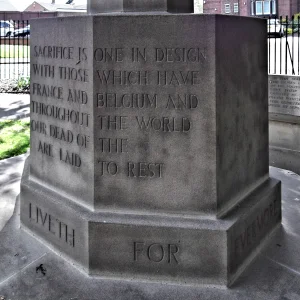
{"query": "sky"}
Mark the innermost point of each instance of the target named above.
(22, 4)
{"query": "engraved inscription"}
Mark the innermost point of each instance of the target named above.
(113, 77)
(77, 96)
(284, 95)
(46, 149)
(69, 73)
(127, 100)
(82, 140)
(132, 169)
(113, 122)
(82, 55)
(140, 79)
(68, 105)
(55, 52)
(164, 124)
(139, 54)
(51, 224)
(109, 54)
(113, 145)
(182, 102)
(70, 158)
(38, 126)
(157, 54)
(61, 134)
(178, 78)
(260, 223)
(44, 70)
(60, 113)
(180, 54)
(47, 91)
(143, 169)
(156, 253)
(108, 168)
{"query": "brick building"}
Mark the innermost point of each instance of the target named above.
(38, 6)
(258, 8)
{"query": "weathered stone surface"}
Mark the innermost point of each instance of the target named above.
(284, 124)
(108, 6)
(183, 142)
(62, 123)
(142, 136)
(274, 273)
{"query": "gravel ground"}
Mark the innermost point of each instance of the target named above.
(11, 86)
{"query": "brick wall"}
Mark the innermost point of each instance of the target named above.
(35, 7)
(212, 6)
(218, 7)
(294, 6)
(25, 15)
(231, 3)
(284, 8)
(245, 8)
(288, 7)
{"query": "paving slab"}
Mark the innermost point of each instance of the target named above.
(10, 176)
(31, 271)
(14, 106)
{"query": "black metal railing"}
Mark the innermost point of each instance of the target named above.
(284, 45)
(14, 49)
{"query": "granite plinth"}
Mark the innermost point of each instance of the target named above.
(149, 156)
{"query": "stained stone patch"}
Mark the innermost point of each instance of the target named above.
(173, 6)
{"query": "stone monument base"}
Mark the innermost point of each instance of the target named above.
(149, 158)
(192, 249)
(30, 270)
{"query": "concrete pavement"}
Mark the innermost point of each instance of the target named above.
(14, 106)
(10, 174)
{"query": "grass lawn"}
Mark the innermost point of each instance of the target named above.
(14, 138)
(14, 51)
